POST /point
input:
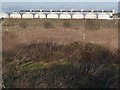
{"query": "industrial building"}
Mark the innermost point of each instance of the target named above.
(78, 16)
(15, 15)
(90, 16)
(52, 15)
(65, 16)
(116, 16)
(62, 14)
(27, 15)
(4, 15)
(39, 15)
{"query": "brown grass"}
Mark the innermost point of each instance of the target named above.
(54, 31)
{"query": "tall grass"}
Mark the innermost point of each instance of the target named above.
(23, 24)
(49, 23)
(92, 25)
(66, 24)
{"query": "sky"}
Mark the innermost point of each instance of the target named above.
(60, 0)
(16, 6)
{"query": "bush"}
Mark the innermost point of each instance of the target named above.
(67, 24)
(92, 25)
(48, 25)
(40, 66)
(23, 25)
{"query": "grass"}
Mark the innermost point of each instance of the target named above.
(92, 25)
(50, 23)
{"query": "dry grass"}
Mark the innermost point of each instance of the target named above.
(60, 32)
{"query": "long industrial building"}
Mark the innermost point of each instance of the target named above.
(61, 14)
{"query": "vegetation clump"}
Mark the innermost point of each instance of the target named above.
(47, 65)
(47, 25)
(66, 24)
(92, 25)
(23, 24)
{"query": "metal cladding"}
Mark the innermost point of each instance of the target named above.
(62, 14)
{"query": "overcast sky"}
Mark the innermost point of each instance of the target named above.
(59, 0)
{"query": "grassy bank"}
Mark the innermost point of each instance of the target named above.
(47, 65)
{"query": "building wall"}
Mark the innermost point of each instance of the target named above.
(15, 15)
(4, 15)
(27, 15)
(103, 16)
(65, 16)
(78, 16)
(90, 16)
(40, 16)
(52, 15)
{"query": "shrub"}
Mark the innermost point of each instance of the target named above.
(92, 25)
(38, 65)
(48, 25)
(23, 25)
(66, 24)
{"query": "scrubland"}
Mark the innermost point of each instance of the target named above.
(46, 53)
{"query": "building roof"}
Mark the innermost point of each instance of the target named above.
(66, 10)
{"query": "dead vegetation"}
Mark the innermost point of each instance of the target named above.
(47, 65)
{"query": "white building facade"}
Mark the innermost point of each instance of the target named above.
(103, 16)
(40, 15)
(53, 15)
(78, 16)
(90, 16)
(4, 15)
(15, 15)
(65, 16)
(27, 15)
